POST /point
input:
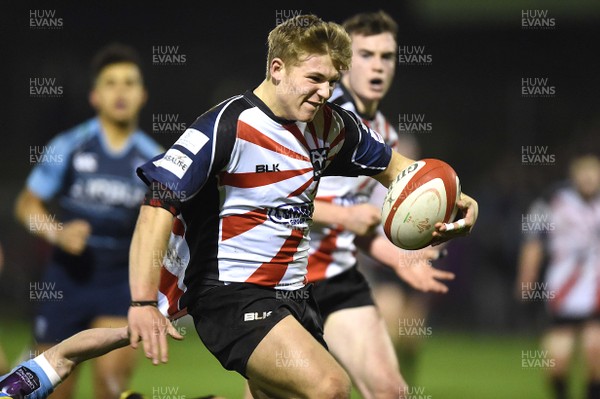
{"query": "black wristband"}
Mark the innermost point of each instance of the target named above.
(144, 303)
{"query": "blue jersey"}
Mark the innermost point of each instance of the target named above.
(26, 381)
(94, 183)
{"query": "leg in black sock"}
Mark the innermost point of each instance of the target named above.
(559, 386)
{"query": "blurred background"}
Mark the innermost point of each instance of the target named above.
(480, 59)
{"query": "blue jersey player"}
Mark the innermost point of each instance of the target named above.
(88, 175)
(37, 378)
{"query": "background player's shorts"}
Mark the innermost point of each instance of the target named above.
(232, 320)
(346, 290)
(575, 321)
(66, 306)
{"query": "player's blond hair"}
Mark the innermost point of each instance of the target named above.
(308, 34)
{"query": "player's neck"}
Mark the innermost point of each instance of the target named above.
(267, 96)
(116, 134)
(365, 108)
(265, 91)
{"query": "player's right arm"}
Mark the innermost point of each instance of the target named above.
(172, 177)
(148, 247)
(31, 212)
(530, 260)
(44, 182)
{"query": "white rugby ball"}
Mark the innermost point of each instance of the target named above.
(422, 195)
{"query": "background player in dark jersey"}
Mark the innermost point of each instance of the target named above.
(241, 182)
(90, 172)
(562, 236)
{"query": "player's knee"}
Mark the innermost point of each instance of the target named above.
(389, 385)
(335, 385)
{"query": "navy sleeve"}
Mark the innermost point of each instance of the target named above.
(201, 151)
(364, 151)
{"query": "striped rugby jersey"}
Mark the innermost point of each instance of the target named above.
(332, 250)
(569, 227)
(247, 180)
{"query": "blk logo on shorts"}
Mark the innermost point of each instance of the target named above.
(318, 157)
(251, 316)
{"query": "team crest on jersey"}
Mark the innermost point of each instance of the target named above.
(85, 162)
(318, 157)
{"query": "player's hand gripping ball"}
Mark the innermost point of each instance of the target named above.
(422, 195)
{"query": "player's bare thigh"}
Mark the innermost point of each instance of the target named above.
(358, 338)
(289, 362)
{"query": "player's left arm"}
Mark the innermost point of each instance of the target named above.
(468, 208)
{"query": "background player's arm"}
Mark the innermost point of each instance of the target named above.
(530, 261)
(148, 247)
(38, 377)
(414, 267)
(359, 219)
(31, 212)
(88, 344)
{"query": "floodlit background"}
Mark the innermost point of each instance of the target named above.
(479, 58)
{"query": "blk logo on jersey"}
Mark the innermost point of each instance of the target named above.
(318, 157)
(274, 167)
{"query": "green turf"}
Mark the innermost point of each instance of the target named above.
(454, 365)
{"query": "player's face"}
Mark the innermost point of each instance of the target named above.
(373, 66)
(304, 87)
(119, 93)
(587, 179)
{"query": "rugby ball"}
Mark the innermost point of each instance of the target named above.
(422, 195)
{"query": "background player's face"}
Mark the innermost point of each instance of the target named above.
(586, 177)
(119, 93)
(304, 87)
(373, 66)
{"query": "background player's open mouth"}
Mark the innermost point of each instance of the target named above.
(376, 83)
